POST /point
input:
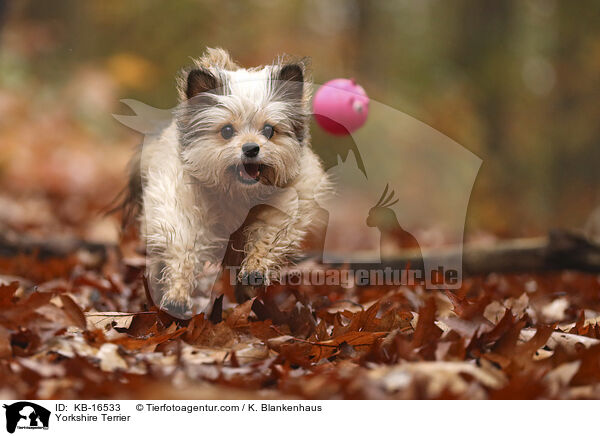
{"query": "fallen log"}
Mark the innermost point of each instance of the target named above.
(55, 248)
(560, 250)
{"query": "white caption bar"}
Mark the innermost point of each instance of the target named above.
(294, 417)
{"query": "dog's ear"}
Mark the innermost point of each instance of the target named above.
(292, 72)
(201, 80)
(290, 80)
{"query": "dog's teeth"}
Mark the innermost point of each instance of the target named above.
(252, 170)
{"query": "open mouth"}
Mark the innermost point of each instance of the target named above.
(248, 173)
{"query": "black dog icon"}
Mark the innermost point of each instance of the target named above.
(27, 415)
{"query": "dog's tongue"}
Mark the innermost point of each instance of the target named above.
(252, 170)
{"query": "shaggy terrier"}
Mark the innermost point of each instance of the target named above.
(232, 177)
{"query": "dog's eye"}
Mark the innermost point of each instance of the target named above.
(227, 131)
(268, 131)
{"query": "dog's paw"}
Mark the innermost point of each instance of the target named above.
(249, 281)
(255, 272)
(176, 303)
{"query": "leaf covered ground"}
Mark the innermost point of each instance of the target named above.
(79, 324)
(90, 332)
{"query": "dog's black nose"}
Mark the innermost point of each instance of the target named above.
(250, 149)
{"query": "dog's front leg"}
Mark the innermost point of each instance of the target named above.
(174, 239)
(272, 239)
(172, 277)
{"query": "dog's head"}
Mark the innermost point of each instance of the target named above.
(243, 128)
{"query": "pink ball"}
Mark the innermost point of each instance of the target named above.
(341, 106)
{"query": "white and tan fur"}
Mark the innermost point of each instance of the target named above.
(192, 199)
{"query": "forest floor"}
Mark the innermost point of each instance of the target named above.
(80, 325)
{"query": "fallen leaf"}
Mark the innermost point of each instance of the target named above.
(73, 311)
(104, 320)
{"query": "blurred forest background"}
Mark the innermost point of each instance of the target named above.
(514, 81)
